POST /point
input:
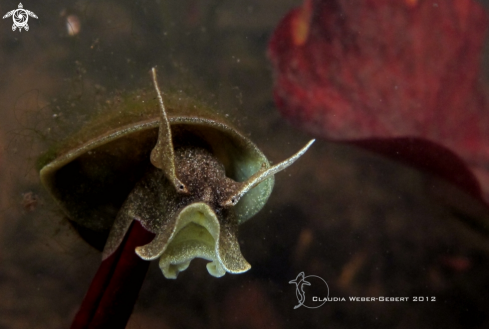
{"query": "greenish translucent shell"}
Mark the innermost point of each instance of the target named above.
(91, 174)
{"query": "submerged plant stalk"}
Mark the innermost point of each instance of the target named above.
(115, 287)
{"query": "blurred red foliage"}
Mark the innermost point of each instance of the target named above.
(397, 77)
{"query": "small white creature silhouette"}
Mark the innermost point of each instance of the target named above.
(20, 17)
(300, 282)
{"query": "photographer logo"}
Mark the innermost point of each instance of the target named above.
(307, 288)
(20, 17)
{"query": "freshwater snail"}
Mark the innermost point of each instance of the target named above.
(184, 173)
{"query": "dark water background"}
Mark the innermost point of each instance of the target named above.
(368, 226)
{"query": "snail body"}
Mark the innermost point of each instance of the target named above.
(185, 174)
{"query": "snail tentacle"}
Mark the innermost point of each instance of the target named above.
(162, 155)
(263, 174)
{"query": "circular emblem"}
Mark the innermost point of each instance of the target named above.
(311, 290)
(20, 17)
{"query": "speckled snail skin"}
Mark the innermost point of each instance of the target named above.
(192, 189)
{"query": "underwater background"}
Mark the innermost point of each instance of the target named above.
(367, 225)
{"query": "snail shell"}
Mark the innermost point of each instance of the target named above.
(183, 172)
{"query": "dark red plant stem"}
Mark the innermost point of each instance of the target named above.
(115, 287)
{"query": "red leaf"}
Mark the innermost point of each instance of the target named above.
(375, 70)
